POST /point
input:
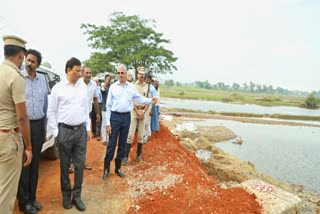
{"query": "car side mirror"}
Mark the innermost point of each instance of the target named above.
(52, 83)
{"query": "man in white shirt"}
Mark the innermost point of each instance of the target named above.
(68, 116)
(92, 98)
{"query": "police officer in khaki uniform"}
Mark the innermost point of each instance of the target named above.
(14, 122)
(138, 116)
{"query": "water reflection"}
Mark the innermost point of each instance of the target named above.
(286, 153)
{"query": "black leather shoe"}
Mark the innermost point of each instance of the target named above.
(120, 173)
(28, 209)
(67, 204)
(36, 205)
(79, 204)
(118, 169)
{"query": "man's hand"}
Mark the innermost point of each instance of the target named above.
(108, 129)
(89, 136)
(150, 113)
(141, 114)
(154, 100)
(27, 158)
(98, 118)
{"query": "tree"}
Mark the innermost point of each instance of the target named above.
(245, 86)
(130, 40)
(220, 85)
(259, 88)
(169, 82)
(312, 101)
(178, 84)
(235, 86)
(252, 86)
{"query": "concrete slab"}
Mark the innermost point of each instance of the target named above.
(273, 199)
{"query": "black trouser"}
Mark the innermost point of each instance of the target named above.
(93, 120)
(120, 124)
(29, 176)
(98, 125)
(72, 144)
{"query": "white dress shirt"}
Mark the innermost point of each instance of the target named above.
(92, 92)
(120, 98)
(68, 104)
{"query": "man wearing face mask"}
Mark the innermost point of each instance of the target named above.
(37, 105)
(14, 122)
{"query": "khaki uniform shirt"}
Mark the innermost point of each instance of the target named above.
(143, 90)
(12, 91)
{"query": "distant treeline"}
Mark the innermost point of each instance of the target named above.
(246, 87)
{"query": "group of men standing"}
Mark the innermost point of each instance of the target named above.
(25, 111)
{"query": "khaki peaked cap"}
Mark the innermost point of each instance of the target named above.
(141, 70)
(14, 40)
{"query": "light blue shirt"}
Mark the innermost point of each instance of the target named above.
(36, 97)
(153, 91)
(120, 98)
(99, 94)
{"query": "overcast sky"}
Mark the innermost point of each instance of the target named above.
(265, 41)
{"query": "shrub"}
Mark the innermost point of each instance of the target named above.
(181, 93)
(311, 101)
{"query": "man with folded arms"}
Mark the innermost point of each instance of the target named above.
(68, 116)
(14, 122)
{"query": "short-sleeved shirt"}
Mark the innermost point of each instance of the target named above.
(143, 90)
(12, 91)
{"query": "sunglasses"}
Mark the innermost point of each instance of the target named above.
(120, 72)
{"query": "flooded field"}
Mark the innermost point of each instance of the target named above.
(286, 153)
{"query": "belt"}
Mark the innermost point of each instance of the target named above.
(6, 131)
(121, 113)
(74, 128)
(142, 107)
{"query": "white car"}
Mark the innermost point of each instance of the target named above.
(49, 148)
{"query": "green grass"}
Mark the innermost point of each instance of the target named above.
(191, 92)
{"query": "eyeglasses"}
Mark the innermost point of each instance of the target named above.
(120, 72)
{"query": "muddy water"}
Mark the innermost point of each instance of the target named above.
(227, 107)
(286, 153)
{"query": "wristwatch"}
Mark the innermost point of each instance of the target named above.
(143, 111)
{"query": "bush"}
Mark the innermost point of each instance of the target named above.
(312, 101)
(181, 93)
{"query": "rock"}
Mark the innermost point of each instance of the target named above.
(223, 186)
(273, 199)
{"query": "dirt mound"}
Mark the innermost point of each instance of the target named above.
(191, 189)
